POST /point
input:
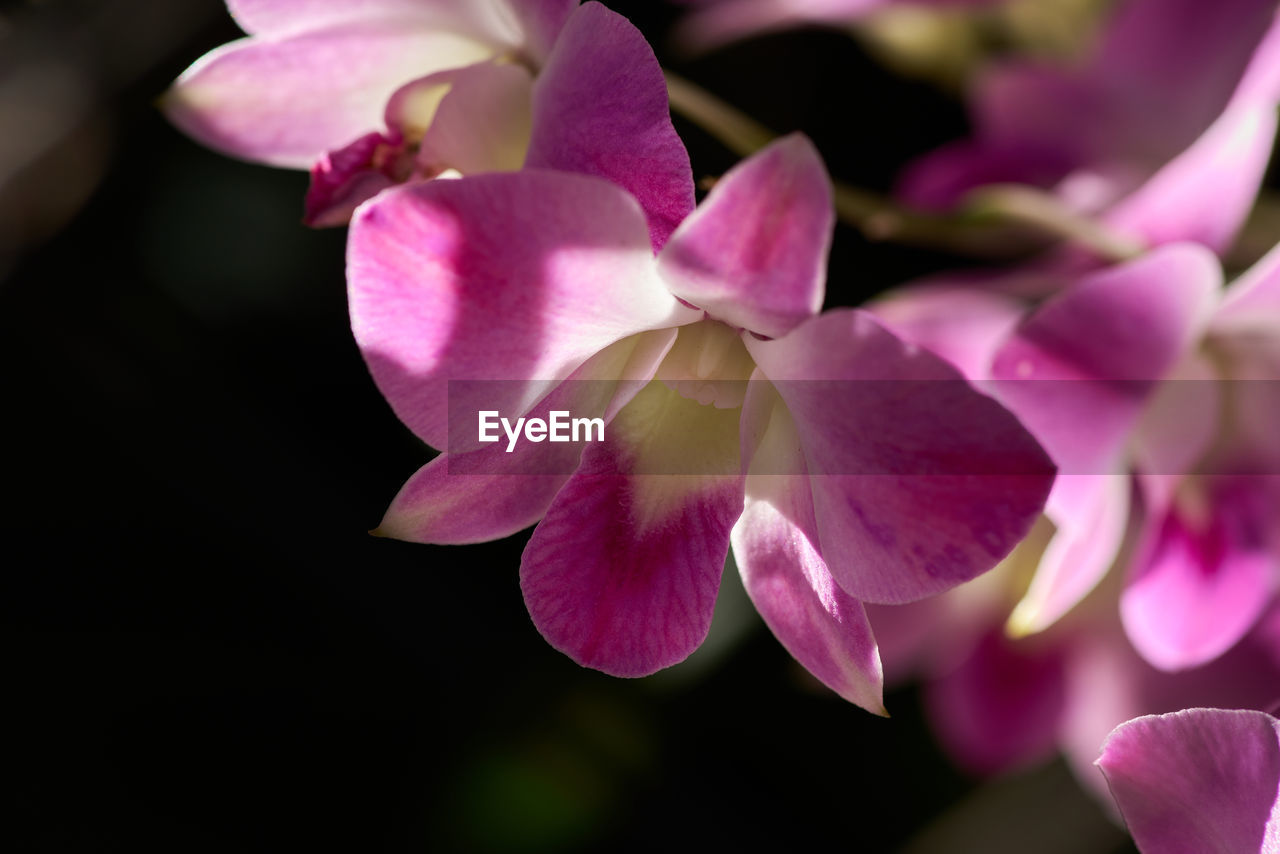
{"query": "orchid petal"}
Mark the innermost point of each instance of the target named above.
(1185, 59)
(482, 123)
(287, 102)
(509, 23)
(285, 17)
(1200, 781)
(600, 108)
(1080, 370)
(621, 575)
(776, 546)
(514, 276)
(754, 253)
(343, 180)
(1179, 426)
(1197, 591)
(1091, 513)
(493, 492)
(919, 482)
(1205, 193)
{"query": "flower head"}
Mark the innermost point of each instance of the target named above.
(370, 95)
(842, 464)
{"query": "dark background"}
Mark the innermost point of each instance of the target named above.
(205, 649)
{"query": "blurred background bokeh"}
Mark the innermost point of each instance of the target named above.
(208, 652)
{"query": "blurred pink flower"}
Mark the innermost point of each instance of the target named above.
(1199, 781)
(846, 445)
(1156, 394)
(1164, 132)
(369, 95)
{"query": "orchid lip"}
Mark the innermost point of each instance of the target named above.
(708, 363)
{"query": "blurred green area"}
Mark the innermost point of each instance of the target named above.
(207, 652)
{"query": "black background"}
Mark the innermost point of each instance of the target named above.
(205, 649)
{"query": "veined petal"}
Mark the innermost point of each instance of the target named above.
(919, 482)
(754, 253)
(779, 556)
(287, 102)
(492, 492)
(1080, 370)
(514, 276)
(622, 573)
(1091, 514)
(1198, 589)
(1199, 781)
(600, 108)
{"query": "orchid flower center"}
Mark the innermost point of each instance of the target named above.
(708, 363)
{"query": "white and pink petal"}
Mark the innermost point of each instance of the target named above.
(514, 277)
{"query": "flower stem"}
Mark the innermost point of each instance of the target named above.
(997, 221)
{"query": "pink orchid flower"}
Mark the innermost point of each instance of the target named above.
(842, 464)
(1156, 394)
(1164, 133)
(718, 22)
(1199, 781)
(374, 94)
(1143, 375)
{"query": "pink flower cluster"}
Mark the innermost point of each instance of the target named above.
(1052, 491)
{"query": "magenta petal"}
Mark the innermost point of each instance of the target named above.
(1205, 193)
(1080, 370)
(287, 102)
(342, 180)
(493, 492)
(515, 276)
(754, 253)
(600, 108)
(919, 482)
(1001, 708)
(1200, 781)
(1198, 591)
(778, 554)
(1185, 58)
(622, 573)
